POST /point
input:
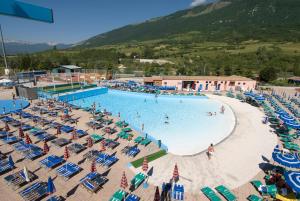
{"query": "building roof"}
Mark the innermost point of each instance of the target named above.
(297, 79)
(71, 67)
(194, 78)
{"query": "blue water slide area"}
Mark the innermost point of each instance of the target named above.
(9, 106)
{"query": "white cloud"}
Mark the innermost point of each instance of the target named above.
(198, 2)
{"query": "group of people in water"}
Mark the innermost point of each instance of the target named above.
(222, 110)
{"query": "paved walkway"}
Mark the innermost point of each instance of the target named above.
(236, 160)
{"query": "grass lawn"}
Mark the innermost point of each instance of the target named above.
(137, 163)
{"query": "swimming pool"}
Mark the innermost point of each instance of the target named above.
(180, 122)
(8, 106)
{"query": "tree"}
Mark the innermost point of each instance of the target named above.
(268, 74)
(227, 70)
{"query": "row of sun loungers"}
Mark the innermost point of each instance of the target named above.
(18, 179)
(121, 195)
(93, 181)
(225, 192)
(68, 170)
(34, 192)
(106, 160)
(131, 151)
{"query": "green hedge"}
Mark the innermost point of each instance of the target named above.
(137, 163)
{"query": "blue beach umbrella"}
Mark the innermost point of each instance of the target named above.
(10, 161)
(286, 159)
(286, 117)
(50, 186)
(293, 180)
(294, 125)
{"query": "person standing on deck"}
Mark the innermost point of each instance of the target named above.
(210, 151)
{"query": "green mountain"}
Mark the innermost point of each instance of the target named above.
(225, 20)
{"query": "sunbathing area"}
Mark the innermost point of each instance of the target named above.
(62, 150)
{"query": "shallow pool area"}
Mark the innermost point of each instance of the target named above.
(8, 106)
(182, 123)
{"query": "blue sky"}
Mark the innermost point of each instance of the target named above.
(77, 20)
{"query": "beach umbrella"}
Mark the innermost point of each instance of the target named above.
(27, 139)
(74, 135)
(50, 186)
(102, 146)
(93, 166)
(66, 153)
(286, 117)
(175, 172)
(10, 161)
(124, 183)
(25, 171)
(58, 130)
(21, 133)
(89, 142)
(6, 127)
(157, 195)
(286, 159)
(145, 164)
(46, 148)
(292, 179)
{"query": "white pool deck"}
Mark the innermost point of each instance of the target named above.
(236, 160)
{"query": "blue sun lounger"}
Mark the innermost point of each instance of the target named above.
(54, 198)
(37, 192)
(7, 119)
(30, 189)
(4, 134)
(133, 151)
(81, 133)
(178, 192)
(11, 139)
(109, 161)
(132, 197)
(26, 127)
(34, 153)
(37, 132)
(67, 129)
(45, 136)
(89, 176)
(22, 146)
(26, 115)
(102, 157)
(5, 167)
(51, 161)
(68, 170)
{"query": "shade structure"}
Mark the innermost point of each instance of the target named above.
(21, 133)
(66, 153)
(292, 179)
(156, 195)
(89, 142)
(102, 146)
(124, 183)
(46, 148)
(93, 166)
(286, 159)
(7, 127)
(145, 164)
(58, 130)
(25, 171)
(27, 139)
(50, 186)
(10, 161)
(175, 172)
(286, 117)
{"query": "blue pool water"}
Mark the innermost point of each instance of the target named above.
(8, 106)
(189, 129)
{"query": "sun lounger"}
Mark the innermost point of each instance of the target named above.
(127, 129)
(4, 134)
(37, 193)
(11, 139)
(138, 180)
(96, 138)
(5, 167)
(76, 148)
(36, 131)
(51, 161)
(26, 127)
(33, 153)
(60, 142)
(93, 181)
(109, 161)
(102, 157)
(92, 155)
(132, 197)
(118, 196)
(210, 194)
(18, 179)
(111, 143)
(22, 146)
(30, 189)
(133, 151)
(54, 198)
(45, 137)
(254, 198)
(81, 133)
(228, 195)
(67, 129)
(265, 190)
(68, 170)
(7, 119)
(145, 142)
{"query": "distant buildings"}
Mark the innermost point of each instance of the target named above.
(202, 83)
